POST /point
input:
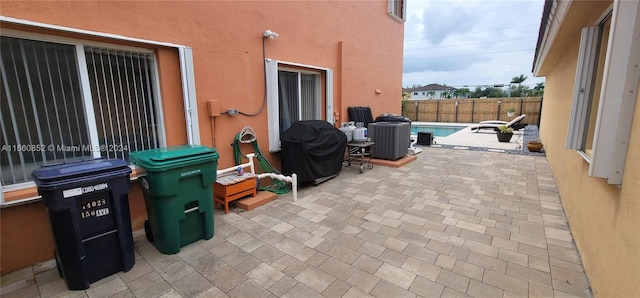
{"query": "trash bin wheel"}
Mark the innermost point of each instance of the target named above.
(147, 231)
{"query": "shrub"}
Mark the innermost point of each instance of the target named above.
(505, 129)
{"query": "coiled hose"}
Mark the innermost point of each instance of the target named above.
(247, 135)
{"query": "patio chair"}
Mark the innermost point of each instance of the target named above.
(500, 121)
(360, 114)
(494, 124)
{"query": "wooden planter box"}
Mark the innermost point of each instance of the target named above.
(225, 191)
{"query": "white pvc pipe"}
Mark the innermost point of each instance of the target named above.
(293, 179)
(244, 165)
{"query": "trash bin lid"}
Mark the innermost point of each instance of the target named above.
(165, 158)
(83, 168)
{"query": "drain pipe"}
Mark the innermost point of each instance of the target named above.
(293, 179)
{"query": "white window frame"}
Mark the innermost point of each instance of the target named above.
(87, 98)
(273, 111)
(617, 97)
(392, 6)
(317, 83)
(186, 70)
(583, 88)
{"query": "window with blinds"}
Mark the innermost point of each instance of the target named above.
(296, 92)
(46, 117)
(299, 97)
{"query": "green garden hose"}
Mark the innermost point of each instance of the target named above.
(277, 186)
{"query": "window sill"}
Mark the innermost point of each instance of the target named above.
(29, 193)
(395, 17)
(585, 155)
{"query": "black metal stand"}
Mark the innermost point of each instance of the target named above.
(360, 158)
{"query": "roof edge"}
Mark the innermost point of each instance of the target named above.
(553, 16)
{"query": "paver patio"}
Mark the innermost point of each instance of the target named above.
(452, 223)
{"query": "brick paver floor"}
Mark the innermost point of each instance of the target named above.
(452, 223)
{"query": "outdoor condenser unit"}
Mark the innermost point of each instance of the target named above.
(392, 139)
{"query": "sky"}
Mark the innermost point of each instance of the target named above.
(470, 42)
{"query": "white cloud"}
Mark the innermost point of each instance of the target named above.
(470, 42)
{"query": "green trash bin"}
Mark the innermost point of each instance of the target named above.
(178, 194)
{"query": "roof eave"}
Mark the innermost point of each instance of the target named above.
(553, 14)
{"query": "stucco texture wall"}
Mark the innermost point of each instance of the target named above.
(356, 39)
(604, 219)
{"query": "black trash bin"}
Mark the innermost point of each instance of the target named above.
(88, 208)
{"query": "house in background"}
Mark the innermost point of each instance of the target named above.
(431, 91)
(589, 52)
(93, 78)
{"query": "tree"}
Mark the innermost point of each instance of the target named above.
(476, 93)
(495, 92)
(445, 94)
(431, 93)
(520, 91)
(462, 92)
(538, 90)
(465, 92)
(489, 92)
(405, 98)
(518, 80)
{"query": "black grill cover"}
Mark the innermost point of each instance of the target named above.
(312, 149)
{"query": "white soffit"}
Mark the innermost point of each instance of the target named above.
(556, 17)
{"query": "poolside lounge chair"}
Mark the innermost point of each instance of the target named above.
(500, 121)
(494, 124)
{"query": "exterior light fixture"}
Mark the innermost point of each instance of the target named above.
(269, 34)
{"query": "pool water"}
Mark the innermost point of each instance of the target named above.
(437, 131)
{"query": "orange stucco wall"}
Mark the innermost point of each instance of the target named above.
(604, 219)
(26, 236)
(356, 39)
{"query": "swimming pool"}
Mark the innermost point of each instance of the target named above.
(436, 130)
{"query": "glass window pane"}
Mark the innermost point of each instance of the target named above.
(41, 109)
(288, 98)
(123, 101)
(595, 100)
(309, 100)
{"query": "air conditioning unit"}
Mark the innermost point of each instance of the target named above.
(392, 139)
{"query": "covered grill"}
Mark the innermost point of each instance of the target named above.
(312, 149)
